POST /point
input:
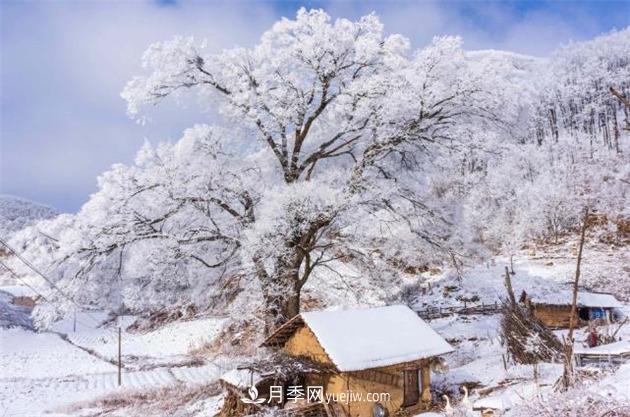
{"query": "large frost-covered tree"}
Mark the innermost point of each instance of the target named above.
(342, 113)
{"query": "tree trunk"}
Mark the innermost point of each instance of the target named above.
(282, 299)
(281, 288)
(508, 287)
(616, 130)
(292, 306)
(553, 122)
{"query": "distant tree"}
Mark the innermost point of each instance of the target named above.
(625, 101)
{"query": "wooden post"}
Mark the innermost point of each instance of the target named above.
(74, 323)
(119, 354)
(425, 378)
(567, 377)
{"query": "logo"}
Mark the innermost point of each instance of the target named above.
(253, 396)
(312, 394)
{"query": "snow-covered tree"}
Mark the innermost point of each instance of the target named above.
(343, 114)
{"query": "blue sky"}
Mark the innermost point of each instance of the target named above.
(64, 64)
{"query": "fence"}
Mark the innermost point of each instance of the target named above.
(583, 359)
(476, 309)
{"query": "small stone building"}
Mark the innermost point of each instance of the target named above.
(553, 309)
(384, 350)
(25, 301)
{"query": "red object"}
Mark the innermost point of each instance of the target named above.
(592, 338)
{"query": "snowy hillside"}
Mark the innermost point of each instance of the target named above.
(16, 213)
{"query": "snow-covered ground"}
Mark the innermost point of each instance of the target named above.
(44, 373)
(478, 361)
(478, 358)
(169, 344)
(604, 269)
(44, 355)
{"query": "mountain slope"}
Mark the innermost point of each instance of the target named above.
(17, 213)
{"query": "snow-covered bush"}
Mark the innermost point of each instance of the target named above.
(577, 402)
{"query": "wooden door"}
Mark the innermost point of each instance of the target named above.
(411, 387)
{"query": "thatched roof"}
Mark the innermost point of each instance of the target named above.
(278, 367)
(282, 334)
(528, 340)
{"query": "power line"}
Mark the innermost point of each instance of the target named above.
(15, 275)
(53, 285)
(96, 322)
(48, 280)
(37, 271)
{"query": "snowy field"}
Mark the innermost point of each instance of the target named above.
(604, 269)
(169, 344)
(43, 372)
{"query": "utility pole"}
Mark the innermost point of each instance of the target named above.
(119, 353)
(120, 317)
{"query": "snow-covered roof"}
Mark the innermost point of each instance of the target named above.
(585, 299)
(18, 290)
(374, 337)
